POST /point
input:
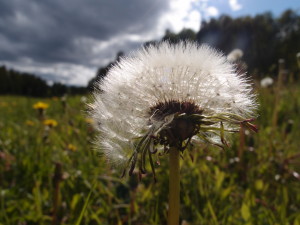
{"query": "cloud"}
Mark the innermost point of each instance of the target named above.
(68, 40)
(212, 11)
(180, 15)
(234, 5)
(79, 34)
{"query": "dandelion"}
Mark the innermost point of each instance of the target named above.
(162, 98)
(71, 147)
(29, 123)
(50, 123)
(266, 82)
(40, 107)
(296, 175)
(235, 55)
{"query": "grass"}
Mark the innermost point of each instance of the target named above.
(53, 175)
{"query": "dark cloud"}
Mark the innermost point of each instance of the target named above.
(56, 31)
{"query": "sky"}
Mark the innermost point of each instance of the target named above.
(68, 40)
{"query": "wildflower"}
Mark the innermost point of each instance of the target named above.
(50, 123)
(29, 123)
(71, 147)
(40, 106)
(163, 97)
(235, 55)
(266, 82)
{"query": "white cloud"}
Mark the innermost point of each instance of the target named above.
(193, 20)
(212, 11)
(234, 5)
(180, 15)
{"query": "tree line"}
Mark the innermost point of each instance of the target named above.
(17, 83)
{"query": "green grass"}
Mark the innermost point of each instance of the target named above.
(44, 181)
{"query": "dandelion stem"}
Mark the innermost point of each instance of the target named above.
(174, 187)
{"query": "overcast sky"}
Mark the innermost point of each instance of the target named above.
(67, 40)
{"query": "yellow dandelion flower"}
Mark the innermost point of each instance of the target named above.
(50, 123)
(40, 105)
(29, 123)
(71, 147)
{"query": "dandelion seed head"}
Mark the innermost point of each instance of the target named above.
(295, 174)
(266, 82)
(235, 55)
(153, 84)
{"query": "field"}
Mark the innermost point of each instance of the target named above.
(51, 174)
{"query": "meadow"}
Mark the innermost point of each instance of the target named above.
(50, 172)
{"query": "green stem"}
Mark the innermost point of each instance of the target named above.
(174, 187)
